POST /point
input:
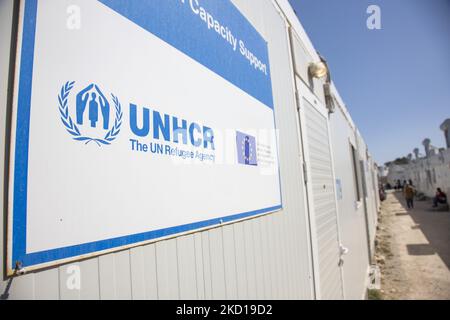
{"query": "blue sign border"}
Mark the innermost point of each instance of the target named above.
(19, 219)
(174, 22)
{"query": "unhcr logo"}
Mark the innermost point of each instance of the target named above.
(93, 110)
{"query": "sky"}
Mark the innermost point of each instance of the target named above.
(395, 81)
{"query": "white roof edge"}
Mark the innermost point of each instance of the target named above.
(342, 105)
(295, 23)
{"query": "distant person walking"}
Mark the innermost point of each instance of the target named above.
(440, 197)
(382, 193)
(409, 192)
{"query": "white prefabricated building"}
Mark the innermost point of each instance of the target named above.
(304, 231)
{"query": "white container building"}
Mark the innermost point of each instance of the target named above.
(317, 246)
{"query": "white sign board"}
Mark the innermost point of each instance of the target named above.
(134, 121)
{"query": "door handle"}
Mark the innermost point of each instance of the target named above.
(343, 250)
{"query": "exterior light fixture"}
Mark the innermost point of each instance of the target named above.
(318, 69)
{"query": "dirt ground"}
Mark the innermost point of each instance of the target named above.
(413, 250)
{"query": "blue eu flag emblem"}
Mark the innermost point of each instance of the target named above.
(246, 149)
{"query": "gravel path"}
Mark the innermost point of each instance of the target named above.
(413, 250)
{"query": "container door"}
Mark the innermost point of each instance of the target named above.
(322, 198)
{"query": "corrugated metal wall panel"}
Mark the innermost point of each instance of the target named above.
(46, 285)
(19, 288)
(187, 269)
(293, 225)
(206, 265)
(122, 275)
(271, 248)
(229, 254)
(324, 202)
(241, 259)
(278, 256)
(250, 259)
(167, 270)
(67, 274)
(199, 266)
(266, 258)
(218, 283)
(259, 264)
(150, 272)
(293, 278)
(137, 273)
(106, 277)
(114, 276)
(90, 279)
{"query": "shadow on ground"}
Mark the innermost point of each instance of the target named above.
(435, 225)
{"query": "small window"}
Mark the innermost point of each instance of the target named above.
(355, 172)
(364, 177)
